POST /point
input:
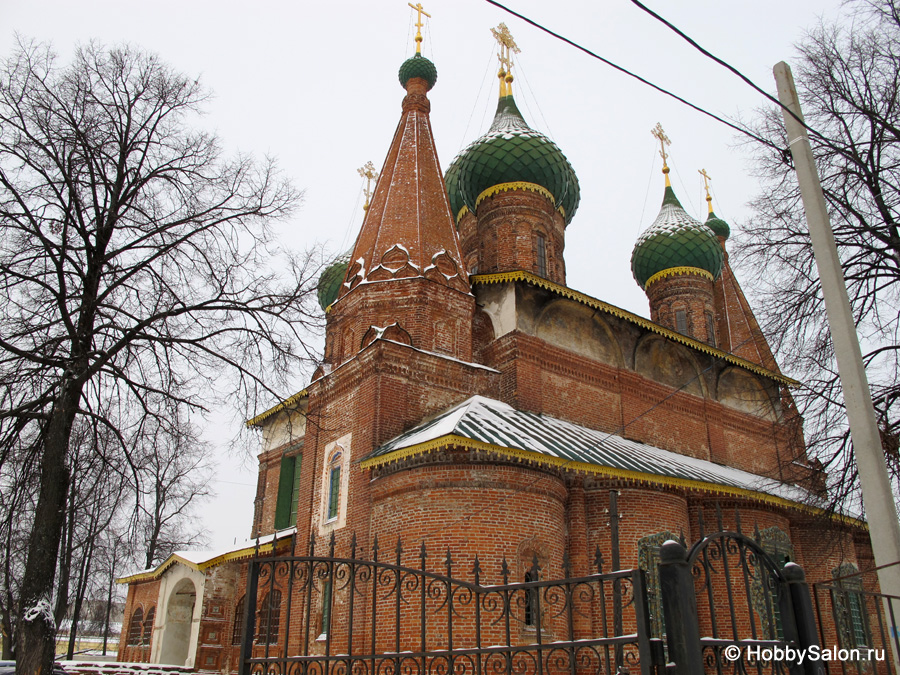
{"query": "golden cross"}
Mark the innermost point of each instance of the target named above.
(419, 24)
(706, 179)
(368, 172)
(508, 47)
(660, 135)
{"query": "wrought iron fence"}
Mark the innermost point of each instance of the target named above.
(356, 615)
(857, 625)
(729, 605)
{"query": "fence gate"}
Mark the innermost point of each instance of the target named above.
(407, 615)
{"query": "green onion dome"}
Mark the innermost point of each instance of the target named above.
(418, 66)
(451, 178)
(331, 279)
(717, 225)
(512, 152)
(675, 240)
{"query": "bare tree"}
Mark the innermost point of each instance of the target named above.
(848, 79)
(173, 476)
(135, 263)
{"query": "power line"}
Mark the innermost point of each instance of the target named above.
(637, 77)
(722, 63)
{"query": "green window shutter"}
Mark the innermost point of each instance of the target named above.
(295, 491)
(285, 489)
(326, 608)
(334, 492)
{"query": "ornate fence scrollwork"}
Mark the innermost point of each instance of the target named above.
(743, 603)
(407, 615)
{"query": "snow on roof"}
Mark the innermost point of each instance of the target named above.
(489, 422)
(201, 560)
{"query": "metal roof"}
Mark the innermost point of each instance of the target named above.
(486, 422)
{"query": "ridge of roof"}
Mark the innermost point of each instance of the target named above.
(484, 424)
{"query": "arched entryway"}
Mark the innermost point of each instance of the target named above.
(176, 636)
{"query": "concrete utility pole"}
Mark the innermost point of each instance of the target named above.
(878, 499)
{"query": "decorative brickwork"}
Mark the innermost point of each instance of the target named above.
(409, 338)
(503, 235)
(683, 302)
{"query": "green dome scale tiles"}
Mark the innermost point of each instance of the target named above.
(331, 279)
(675, 239)
(418, 66)
(512, 152)
(717, 225)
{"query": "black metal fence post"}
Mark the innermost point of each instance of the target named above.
(680, 609)
(804, 616)
(249, 616)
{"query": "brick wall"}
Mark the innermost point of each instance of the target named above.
(502, 235)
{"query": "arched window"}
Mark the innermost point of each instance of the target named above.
(136, 626)
(540, 255)
(533, 560)
(648, 560)
(334, 485)
(849, 606)
(776, 543)
(269, 620)
(238, 631)
(531, 599)
(710, 329)
(148, 627)
(681, 324)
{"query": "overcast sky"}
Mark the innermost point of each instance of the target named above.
(315, 85)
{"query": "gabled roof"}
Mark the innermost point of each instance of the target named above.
(202, 560)
(486, 424)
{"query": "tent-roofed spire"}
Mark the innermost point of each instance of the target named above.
(408, 230)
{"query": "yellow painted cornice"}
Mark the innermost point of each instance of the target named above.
(673, 271)
(515, 185)
(584, 299)
(462, 212)
(284, 405)
(240, 554)
(459, 442)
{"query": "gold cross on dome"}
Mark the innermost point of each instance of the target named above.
(660, 135)
(706, 179)
(508, 47)
(419, 12)
(368, 172)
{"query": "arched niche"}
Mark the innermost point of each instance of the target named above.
(578, 329)
(177, 631)
(743, 391)
(668, 363)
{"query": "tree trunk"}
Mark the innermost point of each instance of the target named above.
(108, 608)
(65, 559)
(81, 589)
(6, 653)
(37, 632)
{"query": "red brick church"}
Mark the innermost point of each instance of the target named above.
(469, 400)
